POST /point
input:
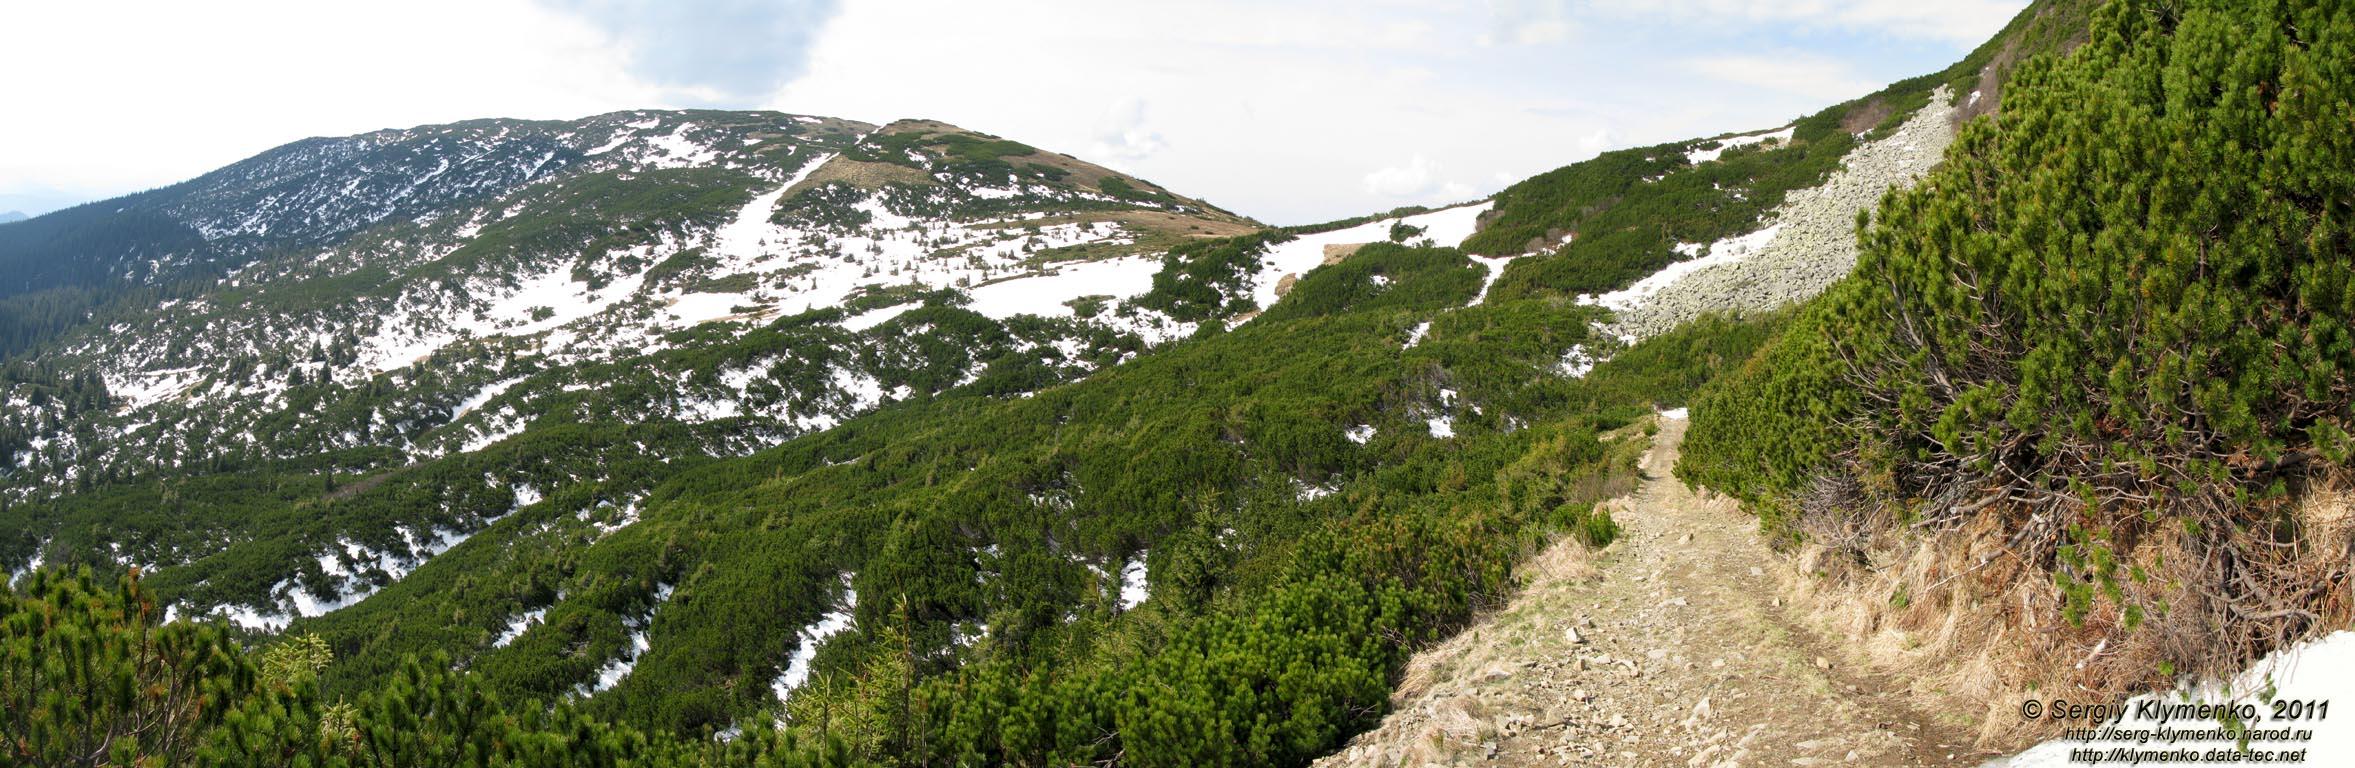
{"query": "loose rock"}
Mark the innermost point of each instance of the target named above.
(1816, 245)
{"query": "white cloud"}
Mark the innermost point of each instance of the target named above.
(1411, 180)
(1310, 110)
(1121, 132)
(1961, 21)
(105, 100)
(1790, 72)
(1595, 143)
(1278, 112)
(1542, 32)
(1419, 180)
(1275, 109)
(1528, 22)
(717, 51)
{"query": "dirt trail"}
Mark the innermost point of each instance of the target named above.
(1669, 647)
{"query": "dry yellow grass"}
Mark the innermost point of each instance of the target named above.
(863, 175)
(1977, 631)
(1335, 252)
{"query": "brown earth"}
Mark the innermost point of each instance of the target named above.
(1172, 225)
(863, 175)
(1673, 646)
(1335, 252)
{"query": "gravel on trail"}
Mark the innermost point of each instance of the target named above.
(1668, 648)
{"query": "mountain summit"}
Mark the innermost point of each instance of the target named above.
(390, 303)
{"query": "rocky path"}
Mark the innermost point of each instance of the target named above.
(1669, 647)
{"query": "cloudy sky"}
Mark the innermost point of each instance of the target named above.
(1289, 111)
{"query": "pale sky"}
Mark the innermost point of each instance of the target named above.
(1289, 111)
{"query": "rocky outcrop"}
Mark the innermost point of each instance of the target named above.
(1815, 244)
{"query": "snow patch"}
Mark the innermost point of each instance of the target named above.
(1415, 336)
(2315, 670)
(1050, 294)
(677, 151)
(1495, 267)
(1133, 586)
(1725, 251)
(1699, 156)
(553, 299)
(622, 519)
(290, 598)
(522, 622)
(31, 565)
(505, 424)
(1577, 362)
(476, 400)
(862, 321)
(145, 388)
(619, 138)
(695, 309)
(805, 651)
(1442, 424)
(615, 669)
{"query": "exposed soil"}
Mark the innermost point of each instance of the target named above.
(1335, 252)
(864, 175)
(1670, 647)
(1162, 223)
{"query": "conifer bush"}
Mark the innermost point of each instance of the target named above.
(2116, 315)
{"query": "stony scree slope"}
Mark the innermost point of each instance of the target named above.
(1810, 238)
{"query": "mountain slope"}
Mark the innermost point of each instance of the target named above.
(2096, 358)
(540, 388)
(930, 445)
(320, 192)
(509, 434)
(1598, 225)
(483, 277)
(593, 264)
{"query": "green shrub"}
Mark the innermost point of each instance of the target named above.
(2122, 310)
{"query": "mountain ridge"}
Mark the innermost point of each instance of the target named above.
(545, 389)
(907, 444)
(418, 323)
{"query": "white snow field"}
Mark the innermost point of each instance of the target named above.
(1699, 156)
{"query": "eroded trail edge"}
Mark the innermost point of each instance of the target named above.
(1670, 647)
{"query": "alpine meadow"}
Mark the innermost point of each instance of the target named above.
(745, 438)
